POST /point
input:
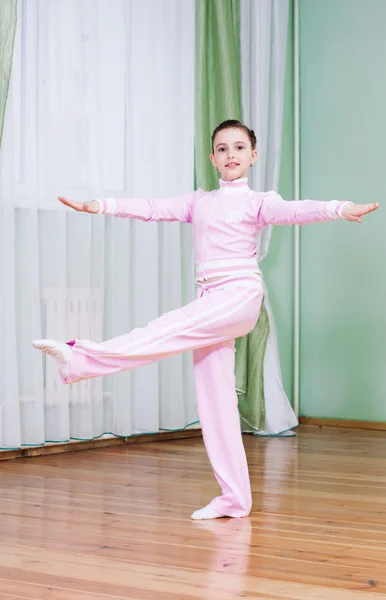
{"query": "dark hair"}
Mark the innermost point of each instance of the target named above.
(234, 124)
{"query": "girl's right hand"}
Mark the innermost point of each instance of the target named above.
(87, 207)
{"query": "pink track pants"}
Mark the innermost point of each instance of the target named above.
(209, 325)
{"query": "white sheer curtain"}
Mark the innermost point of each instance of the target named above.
(263, 35)
(101, 104)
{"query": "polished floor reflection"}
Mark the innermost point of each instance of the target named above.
(114, 523)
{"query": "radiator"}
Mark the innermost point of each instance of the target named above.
(69, 313)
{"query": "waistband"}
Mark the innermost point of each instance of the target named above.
(252, 281)
(226, 266)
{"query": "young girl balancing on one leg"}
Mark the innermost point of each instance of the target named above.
(226, 225)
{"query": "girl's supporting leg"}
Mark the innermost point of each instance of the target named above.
(214, 372)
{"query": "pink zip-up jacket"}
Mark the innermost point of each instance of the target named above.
(226, 222)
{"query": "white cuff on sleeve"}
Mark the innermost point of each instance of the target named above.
(332, 208)
(100, 202)
(107, 206)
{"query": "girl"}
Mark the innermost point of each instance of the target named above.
(226, 225)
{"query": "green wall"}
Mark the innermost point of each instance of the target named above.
(278, 265)
(343, 136)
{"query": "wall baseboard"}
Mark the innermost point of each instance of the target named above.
(343, 423)
(76, 446)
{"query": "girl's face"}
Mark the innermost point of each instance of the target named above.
(232, 153)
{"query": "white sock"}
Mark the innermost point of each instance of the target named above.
(205, 513)
(59, 351)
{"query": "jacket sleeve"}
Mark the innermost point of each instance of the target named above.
(273, 210)
(175, 208)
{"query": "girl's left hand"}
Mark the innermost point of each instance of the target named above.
(354, 212)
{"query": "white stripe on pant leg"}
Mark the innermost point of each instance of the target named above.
(209, 322)
(181, 327)
(190, 324)
(144, 350)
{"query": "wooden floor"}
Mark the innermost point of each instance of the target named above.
(114, 523)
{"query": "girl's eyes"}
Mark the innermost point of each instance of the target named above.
(237, 148)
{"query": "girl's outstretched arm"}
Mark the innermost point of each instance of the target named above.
(273, 210)
(175, 208)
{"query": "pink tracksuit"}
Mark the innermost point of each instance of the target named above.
(226, 224)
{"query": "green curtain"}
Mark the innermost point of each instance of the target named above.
(218, 97)
(7, 38)
(217, 78)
